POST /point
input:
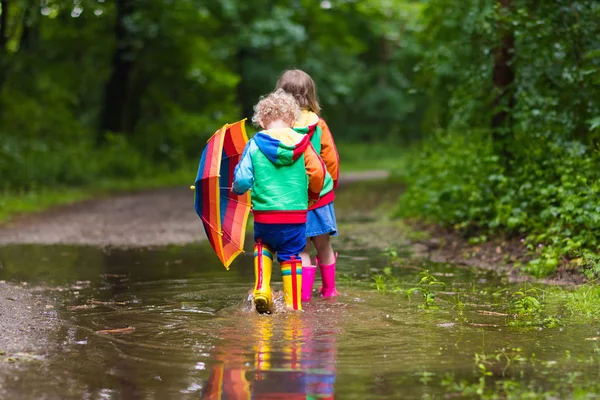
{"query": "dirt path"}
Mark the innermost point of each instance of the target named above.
(149, 218)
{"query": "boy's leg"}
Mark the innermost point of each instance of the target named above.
(293, 241)
(263, 266)
(326, 260)
(291, 273)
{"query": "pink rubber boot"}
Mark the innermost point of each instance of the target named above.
(328, 278)
(308, 278)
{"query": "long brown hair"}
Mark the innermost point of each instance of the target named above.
(300, 85)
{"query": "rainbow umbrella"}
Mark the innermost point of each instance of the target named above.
(224, 214)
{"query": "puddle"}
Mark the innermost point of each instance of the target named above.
(172, 323)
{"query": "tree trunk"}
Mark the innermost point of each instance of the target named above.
(116, 92)
(3, 49)
(243, 95)
(503, 78)
(31, 26)
(3, 42)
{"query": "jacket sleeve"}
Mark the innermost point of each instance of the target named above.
(243, 177)
(329, 152)
(316, 173)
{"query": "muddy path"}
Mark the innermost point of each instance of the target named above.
(148, 218)
(143, 219)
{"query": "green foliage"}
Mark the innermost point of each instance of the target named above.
(183, 69)
(582, 302)
(427, 287)
(386, 282)
(525, 301)
(544, 186)
(508, 373)
(391, 254)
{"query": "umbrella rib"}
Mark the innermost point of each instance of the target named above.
(214, 228)
(229, 227)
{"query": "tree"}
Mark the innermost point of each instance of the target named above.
(503, 78)
(118, 88)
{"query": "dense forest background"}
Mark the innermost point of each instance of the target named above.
(496, 103)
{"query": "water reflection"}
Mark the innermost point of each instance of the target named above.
(294, 357)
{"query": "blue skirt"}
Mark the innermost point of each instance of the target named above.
(321, 221)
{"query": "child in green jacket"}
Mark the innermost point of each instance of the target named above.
(284, 174)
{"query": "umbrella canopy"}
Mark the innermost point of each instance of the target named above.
(224, 214)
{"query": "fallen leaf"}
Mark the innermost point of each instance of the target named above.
(498, 250)
(129, 329)
(49, 306)
(484, 325)
(495, 314)
(107, 303)
(81, 307)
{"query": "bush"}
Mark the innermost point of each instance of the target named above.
(550, 197)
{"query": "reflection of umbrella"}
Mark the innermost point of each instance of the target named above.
(224, 214)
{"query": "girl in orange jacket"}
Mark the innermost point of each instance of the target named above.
(321, 221)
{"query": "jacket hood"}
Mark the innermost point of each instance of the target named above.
(306, 124)
(281, 146)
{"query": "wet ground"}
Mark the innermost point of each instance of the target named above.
(172, 323)
(158, 322)
(147, 218)
(27, 317)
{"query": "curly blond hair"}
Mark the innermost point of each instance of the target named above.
(274, 106)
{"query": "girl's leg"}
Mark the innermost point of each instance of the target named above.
(326, 259)
(325, 252)
(308, 273)
(305, 255)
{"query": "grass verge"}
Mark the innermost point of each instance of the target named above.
(354, 157)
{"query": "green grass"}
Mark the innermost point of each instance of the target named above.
(370, 156)
(16, 203)
(581, 303)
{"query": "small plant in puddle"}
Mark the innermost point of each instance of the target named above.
(508, 373)
(380, 283)
(525, 301)
(391, 254)
(386, 282)
(426, 377)
(459, 306)
(427, 287)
